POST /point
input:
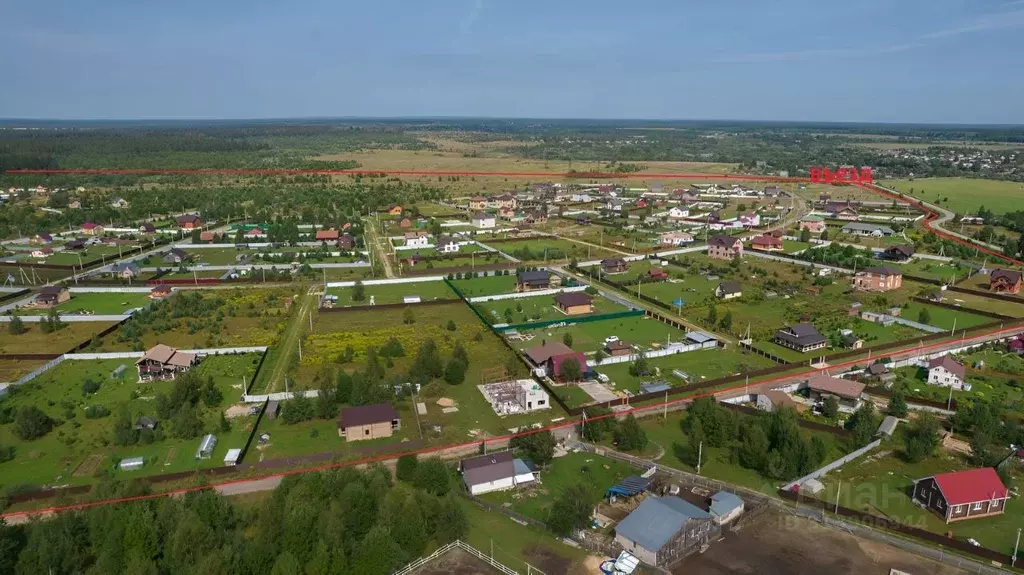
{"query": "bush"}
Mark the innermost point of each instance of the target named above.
(6, 453)
(31, 423)
(96, 412)
(90, 386)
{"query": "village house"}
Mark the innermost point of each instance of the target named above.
(728, 290)
(881, 371)
(92, 229)
(776, 399)
(126, 270)
(617, 347)
(255, 233)
(41, 239)
(947, 372)
(483, 220)
(813, 224)
(614, 266)
(772, 191)
(960, 495)
(477, 203)
(405, 223)
(206, 236)
(494, 471)
(507, 214)
(176, 256)
(162, 291)
(507, 201)
(346, 242)
(394, 210)
(446, 245)
(842, 211)
(802, 337)
(900, 253)
(147, 228)
(676, 238)
(749, 220)
(75, 205)
(119, 203)
(41, 252)
(662, 529)
(656, 275)
(331, 235)
(766, 243)
(368, 422)
(1004, 281)
(574, 303)
(871, 230)
(551, 356)
(537, 217)
(532, 280)
(75, 244)
(724, 247)
(678, 212)
(878, 278)
(190, 222)
(51, 296)
(847, 392)
(164, 362)
(417, 239)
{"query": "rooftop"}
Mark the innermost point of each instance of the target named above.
(367, 414)
(657, 520)
(971, 486)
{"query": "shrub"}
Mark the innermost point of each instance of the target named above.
(96, 412)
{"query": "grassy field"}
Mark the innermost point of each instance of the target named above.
(881, 485)
(942, 317)
(965, 195)
(490, 285)
(33, 340)
(546, 249)
(96, 304)
(589, 337)
(935, 270)
(792, 247)
(539, 308)
(54, 457)
(596, 472)
(700, 365)
(394, 293)
(71, 258)
(12, 369)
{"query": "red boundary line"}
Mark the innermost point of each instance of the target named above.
(388, 456)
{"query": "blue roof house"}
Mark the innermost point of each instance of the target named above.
(725, 507)
(664, 529)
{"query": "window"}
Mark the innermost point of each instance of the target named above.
(977, 506)
(366, 432)
(956, 508)
(541, 402)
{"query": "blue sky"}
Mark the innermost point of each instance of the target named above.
(814, 60)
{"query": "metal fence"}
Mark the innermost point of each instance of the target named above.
(458, 544)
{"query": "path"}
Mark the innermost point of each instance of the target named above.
(374, 242)
(291, 340)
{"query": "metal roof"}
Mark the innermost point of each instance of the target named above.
(632, 485)
(657, 520)
(654, 387)
(699, 337)
(723, 503)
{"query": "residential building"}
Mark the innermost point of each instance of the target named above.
(417, 239)
(495, 471)
(405, 223)
(814, 224)
(749, 220)
(346, 242)
(41, 252)
(477, 203)
(190, 222)
(507, 201)
(551, 355)
(483, 220)
(842, 210)
(160, 292)
(947, 372)
(766, 243)
(394, 210)
(900, 253)
(617, 347)
(802, 337)
(676, 238)
(368, 422)
(1004, 281)
(663, 529)
(164, 362)
(574, 303)
(878, 278)
(614, 266)
(532, 280)
(847, 392)
(446, 245)
(92, 229)
(255, 233)
(776, 399)
(678, 212)
(772, 191)
(176, 256)
(126, 270)
(872, 230)
(51, 296)
(206, 236)
(724, 247)
(960, 495)
(331, 235)
(881, 371)
(729, 290)
(42, 239)
(657, 275)
(147, 228)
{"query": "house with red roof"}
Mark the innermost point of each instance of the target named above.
(91, 229)
(963, 495)
(331, 235)
(766, 243)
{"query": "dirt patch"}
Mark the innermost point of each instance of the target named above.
(546, 560)
(240, 410)
(456, 562)
(87, 467)
(780, 544)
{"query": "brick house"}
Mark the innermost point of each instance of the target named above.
(368, 422)
(330, 235)
(814, 224)
(190, 222)
(164, 362)
(963, 494)
(51, 296)
(1004, 281)
(878, 278)
(766, 243)
(534, 280)
(614, 266)
(724, 247)
(575, 303)
(91, 229)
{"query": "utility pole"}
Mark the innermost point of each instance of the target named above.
(700, 454)
(1016, 545)
(839, 487)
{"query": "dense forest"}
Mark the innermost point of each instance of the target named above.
(338, 521)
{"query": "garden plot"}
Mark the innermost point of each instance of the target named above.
(488, 285)
(393, 293)
(82, 401)
(205, 319)
(540, 308)
(35, 340)
(698, 365)
(95, 303)
(546, 249)
(646, 332)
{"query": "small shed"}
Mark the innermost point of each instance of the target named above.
(206, 446)
(888, 426)
(654, 387)
(131, 463)
(629, 487)
(725, 507)
(812, 486)
(233, 457)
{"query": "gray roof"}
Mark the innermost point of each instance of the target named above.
(657, 520)
(537, 276)
(723, 503)
(699, 337)
(888, 425)
(654, 387)
(488, 467)
(731, 286)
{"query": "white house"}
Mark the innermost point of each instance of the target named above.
(417, 239)
(494, 472)
(750, 220)
(946, 371)
(676, 239)
(483, 221)
(446, 245)
(679, 212)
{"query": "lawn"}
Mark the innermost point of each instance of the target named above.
(965, 195)
(71, 258)
(699, 365)
(596, 472)
(539, 308)
(33, 340)
(489, 285)
(216, 256)
(59, 393)
(792, 247)
(881, 486)
(394, 293)
(546, 249)
(589, 337)
(96, 303)
(942, 317)
(933, 269)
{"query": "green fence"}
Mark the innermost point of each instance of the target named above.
(584, 319)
